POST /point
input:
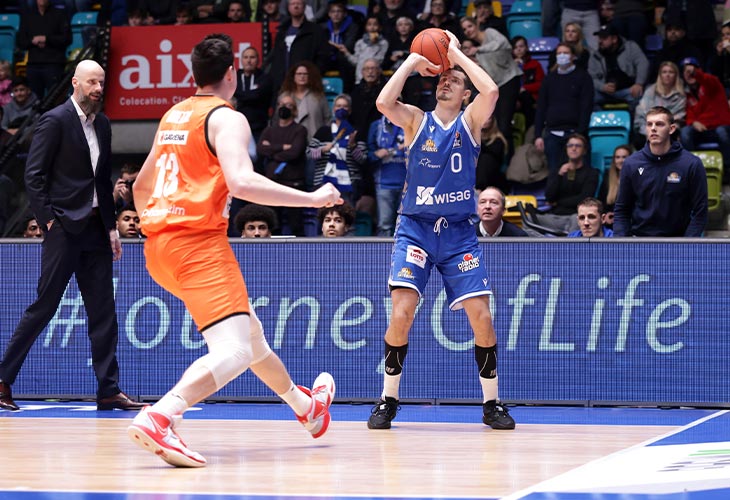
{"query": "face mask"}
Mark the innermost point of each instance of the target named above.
(563, 59)
(341, 114)
(285, 113)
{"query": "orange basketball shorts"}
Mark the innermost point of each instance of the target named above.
(201, 270)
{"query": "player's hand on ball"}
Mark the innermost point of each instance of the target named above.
(326, 196)
(424, 66)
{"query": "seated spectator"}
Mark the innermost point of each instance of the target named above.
(337, 152)
(491, 207)
(22, 103)
(573, 37)
(343, 32)
(304, 82)
(720, 61)
(255, 221)
(485, 18)
(31, 229)
(391, 11)
(123, 187)
(387, 158)
(365, 94)
(399, 44)
(6, 83)
(575, 181)
(269, 12)
(283, 147)
(619, 69)
(674, 48)
(254, 92)
(591, 220)
(491, 158)
(371, 46)
(698, 16)
(584, 14)
(159, 11)
(236, 13)
(532, 77)
(668, 91)
(606, 12)
(663, 186)
(440, 17)
(708, 112)
(564, 106)
(137, 17)
(336, 221)
(128, 222)
(183, 15)
(610, 185)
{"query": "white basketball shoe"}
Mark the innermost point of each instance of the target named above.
(153, 431)
(317, 419)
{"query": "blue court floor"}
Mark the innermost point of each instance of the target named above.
(691, 463)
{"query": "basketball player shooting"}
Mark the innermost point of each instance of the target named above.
(436, 222)
(199, 159)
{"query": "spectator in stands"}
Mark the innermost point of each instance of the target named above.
(128, 222)
(585, 14)
(337, 152)
(698, 16)
(387, 159)
(254, 92)
(440, 17)
(619, 69)
(591, 220)
(6, 83)
(215, 11)
(485, 18)
(708, 112)
(283, 147)
(532, 72)
(297, 40)
(123, 186)
(255, 221)
(159, 11)
(136, 17)
(44, 32)
(491, 208)
(550, 18)
(720, 62)
(573, 37)
(606, 12)
(269, 11)
(399, 43)
(31, 229)
(494, 54)
(674, 48)
(668, 92)
(336, 221)
(183, 15)
(371, 46)
(304, 82)
(344, 32)
(22, 103)
(364, 94)
(564, 106)
(491, 157)
(611, 180)
(663, 187)
(394, 10)
(236, 13)
(573, 182)
(630, 20)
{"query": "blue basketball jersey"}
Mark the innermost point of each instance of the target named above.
(442, 162)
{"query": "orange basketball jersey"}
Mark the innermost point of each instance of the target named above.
(190, 190)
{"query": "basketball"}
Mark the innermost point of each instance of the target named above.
(433, 44)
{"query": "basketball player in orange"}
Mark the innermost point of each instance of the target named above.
(198, 161)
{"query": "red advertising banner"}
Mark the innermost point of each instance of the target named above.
(149, 66)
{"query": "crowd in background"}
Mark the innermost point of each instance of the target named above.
(305, 137)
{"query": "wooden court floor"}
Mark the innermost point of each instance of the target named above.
(277, 457)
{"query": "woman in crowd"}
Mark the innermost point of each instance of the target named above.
(304, 82)
(609, 187)
(668, 91)
(573, 37)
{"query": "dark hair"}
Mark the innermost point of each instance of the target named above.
(592, 202)
(467, 81)
(129, 168)
(126, 208)
(211, 58)
(252, 212)
(581, 137)
(345, 211)
(314, 82)
(19, 80)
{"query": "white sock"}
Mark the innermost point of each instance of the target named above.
(391, 383)
(297, 399)
(489, 388)
(171, 404)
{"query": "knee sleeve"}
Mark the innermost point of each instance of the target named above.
(229, 349)
(394, 358)
(486, 360)
(259, 345)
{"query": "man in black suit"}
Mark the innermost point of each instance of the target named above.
(490, 207)
(68, 182)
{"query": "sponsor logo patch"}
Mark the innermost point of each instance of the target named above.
(674, 178)
(429, 146)
(406, 273)
(468, 262)
(416, 256)
(457, 140)
(173, 137)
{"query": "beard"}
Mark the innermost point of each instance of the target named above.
(89, 106)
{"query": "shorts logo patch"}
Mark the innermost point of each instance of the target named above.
(416, 256)
(468, 262)
(406, 273)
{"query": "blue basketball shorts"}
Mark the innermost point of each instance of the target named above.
(450, 246)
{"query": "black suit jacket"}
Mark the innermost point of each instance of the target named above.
(508, 229)
(254, 104)
(59, 178)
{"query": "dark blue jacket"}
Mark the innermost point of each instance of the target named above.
(661, 195)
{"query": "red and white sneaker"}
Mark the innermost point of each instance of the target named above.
(317, 420)
(153, 431)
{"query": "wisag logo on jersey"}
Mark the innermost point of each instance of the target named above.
(426, 196)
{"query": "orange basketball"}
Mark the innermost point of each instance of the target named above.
(433, 44)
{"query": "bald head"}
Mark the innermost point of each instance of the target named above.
(88, 84)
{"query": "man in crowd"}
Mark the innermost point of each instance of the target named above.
(490, 207)
(591, 220)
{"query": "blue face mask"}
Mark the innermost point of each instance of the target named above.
(563, 59)
(342, 114)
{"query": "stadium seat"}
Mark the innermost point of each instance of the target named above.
(712, 160)
(519, 127)
(525, 19)
(332, 88)
(541, 47)
(79, 22)
(606, 130)
(653, 44)
(9, 25)
(511, 212)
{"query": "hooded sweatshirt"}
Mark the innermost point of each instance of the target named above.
(661, 195)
